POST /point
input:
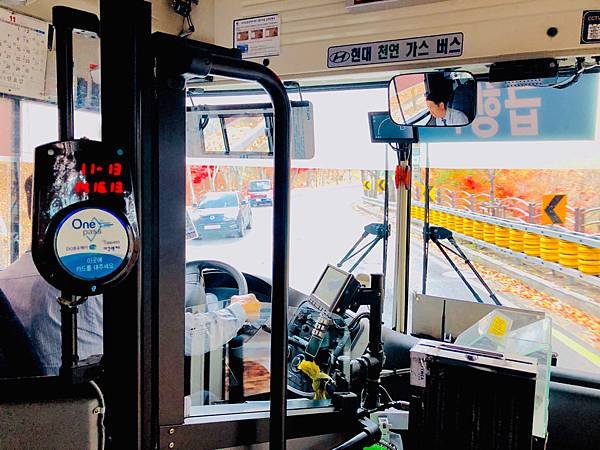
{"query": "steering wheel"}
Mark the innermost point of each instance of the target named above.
(195, 293)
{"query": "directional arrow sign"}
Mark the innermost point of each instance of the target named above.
(381, 184)
(367, 185)
(554, 209)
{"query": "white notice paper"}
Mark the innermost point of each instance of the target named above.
(257, 37)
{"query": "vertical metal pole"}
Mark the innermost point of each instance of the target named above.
(64, 83)
(279, 299)
(68, 318)
(386, 218)
(15, 196)
(281, 212)
(375, 347)
(164, 212)
(124, 32)
(402, 244)
(426, 232)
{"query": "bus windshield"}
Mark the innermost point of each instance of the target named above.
(491, 184)
(219, 200)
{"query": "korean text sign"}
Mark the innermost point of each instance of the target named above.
(528, 114)
(401, 50)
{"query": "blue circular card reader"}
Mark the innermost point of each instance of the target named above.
(89, 247)
(91, 243)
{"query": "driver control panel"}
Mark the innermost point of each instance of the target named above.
(318, 331)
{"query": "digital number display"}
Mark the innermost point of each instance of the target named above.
(74, 171)
(100, 179)
(114, 169)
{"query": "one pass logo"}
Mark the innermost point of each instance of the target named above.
(90, 229)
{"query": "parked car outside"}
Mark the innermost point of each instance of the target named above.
(260, 192)
(222, 213)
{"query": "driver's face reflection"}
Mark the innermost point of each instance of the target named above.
(437, 110)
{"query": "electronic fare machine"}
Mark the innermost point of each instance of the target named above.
(85, 236)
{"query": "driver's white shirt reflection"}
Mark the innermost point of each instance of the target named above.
(208, 331)
(453, 117)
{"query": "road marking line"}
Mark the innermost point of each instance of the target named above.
(578, 348)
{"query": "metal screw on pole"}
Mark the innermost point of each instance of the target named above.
(171, 444)
(171, 430)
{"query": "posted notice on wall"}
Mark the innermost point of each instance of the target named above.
(257, 37)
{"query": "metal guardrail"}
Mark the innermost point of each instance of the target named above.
(555, 232)
(586, 270)
(558, 233)
(579, 219)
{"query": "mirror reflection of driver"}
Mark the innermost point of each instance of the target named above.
(437, 98)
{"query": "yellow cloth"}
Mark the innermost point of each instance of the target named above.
(312, 370)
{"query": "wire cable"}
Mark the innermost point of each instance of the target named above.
(190, 25)
(387, 445)
(101, 428)
(357, 319)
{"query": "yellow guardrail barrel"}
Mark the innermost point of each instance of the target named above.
(531, 244)
(467, 226)
(458, 224)
(568, 254)
(516, 240)
(450, 221)
(549, 248)
(502, 236)
(478, 230)
(489, 233)
(443, 219)
(588, 260)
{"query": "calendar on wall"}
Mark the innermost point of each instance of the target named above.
(23, 55)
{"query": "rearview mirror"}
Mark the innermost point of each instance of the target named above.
(246, 131)
(434, 99)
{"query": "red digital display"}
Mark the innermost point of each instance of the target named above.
(100, 179)
(114, 169)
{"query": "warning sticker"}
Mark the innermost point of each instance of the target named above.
(91, 243)
(257, 37)
(499, 325)
(590, 27)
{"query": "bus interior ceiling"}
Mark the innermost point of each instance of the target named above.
(262, 231)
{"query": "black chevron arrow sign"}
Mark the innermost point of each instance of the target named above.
(549, 210)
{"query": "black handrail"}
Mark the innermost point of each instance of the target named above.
(64, 21)
(188, 58)
(245, 70)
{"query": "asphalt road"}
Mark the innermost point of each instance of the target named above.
(325, 223)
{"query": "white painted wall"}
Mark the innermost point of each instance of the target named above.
(494, 29)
